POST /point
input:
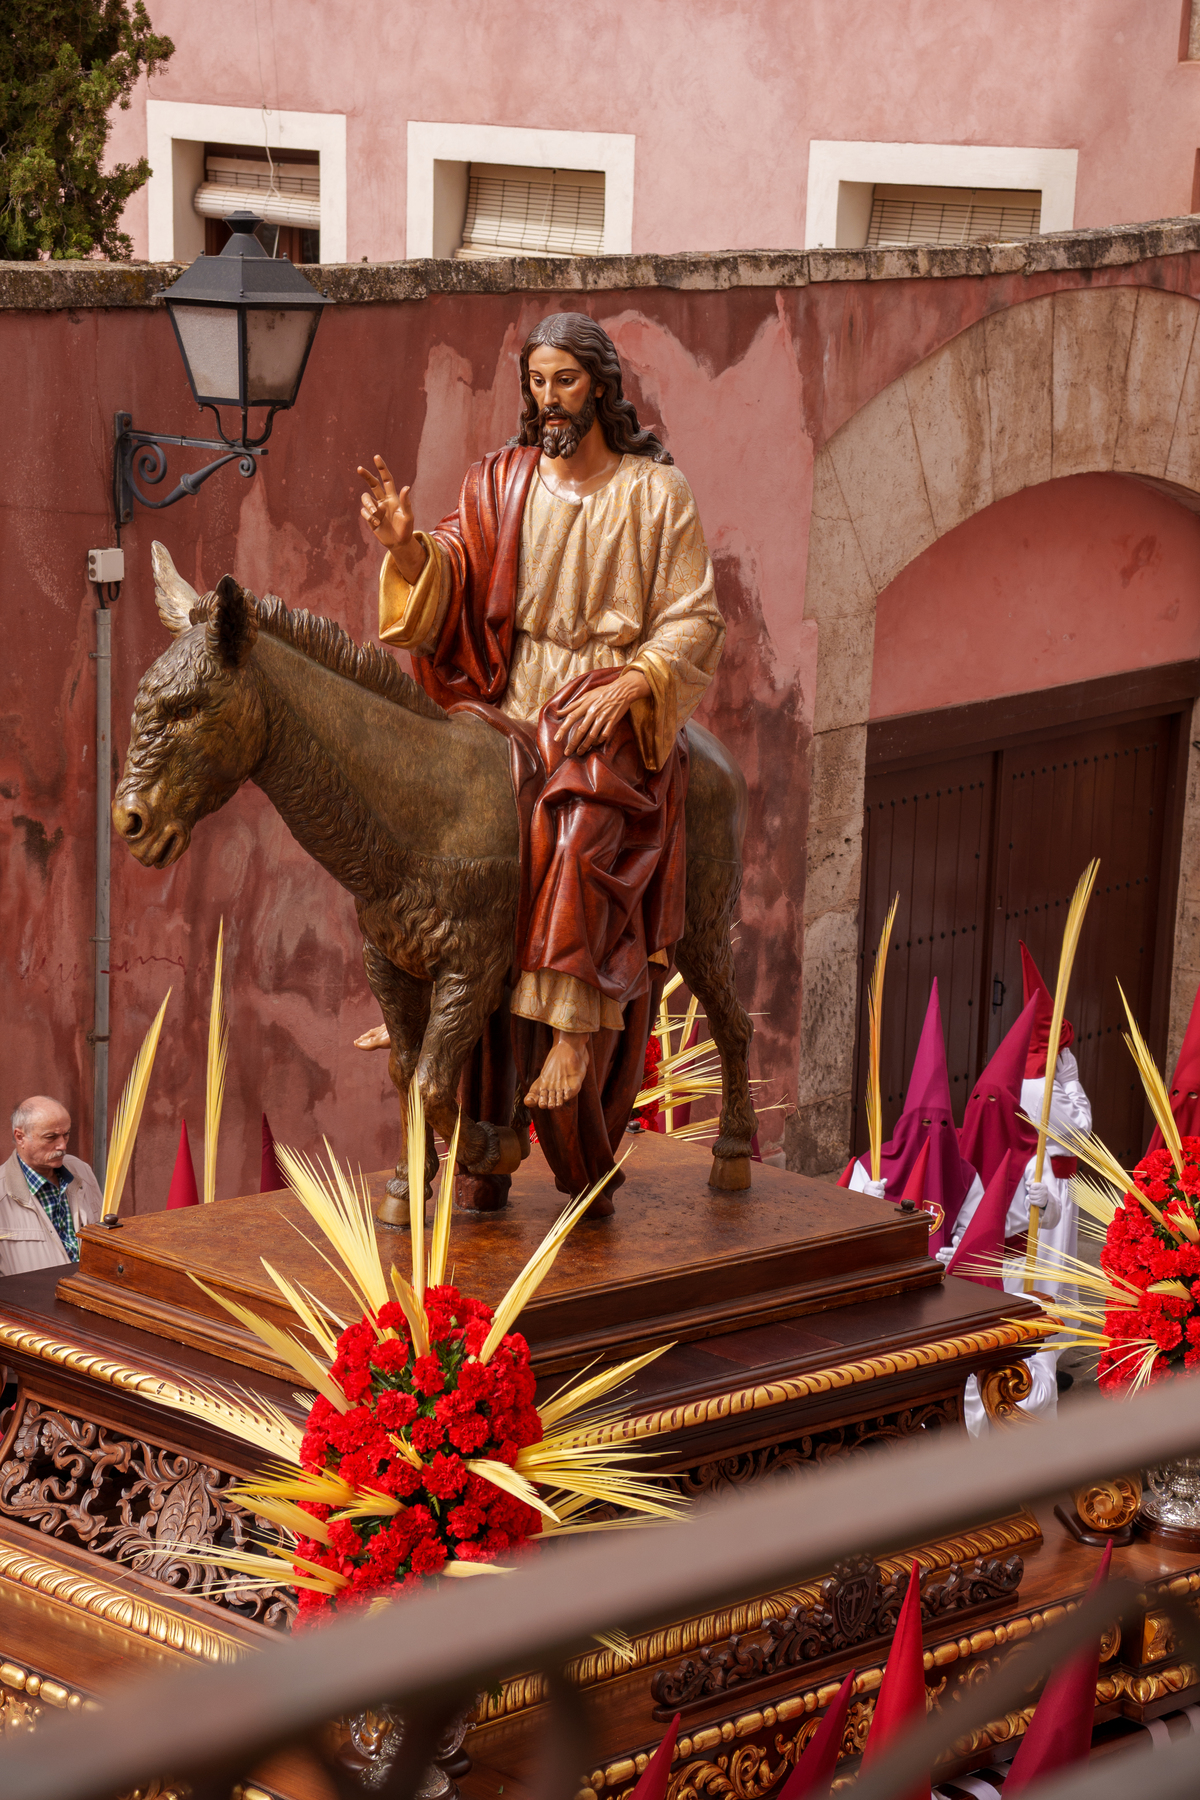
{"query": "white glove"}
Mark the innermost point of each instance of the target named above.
(1048, 1204)
(1066, 1068)
(945, 1255)
(876, 1187)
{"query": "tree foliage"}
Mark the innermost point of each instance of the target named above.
(64, 64)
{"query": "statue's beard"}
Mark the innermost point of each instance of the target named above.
(562, 432)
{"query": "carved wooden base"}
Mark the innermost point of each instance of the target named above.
(1168, 1537)
(730, 1174)
(1066, 1515)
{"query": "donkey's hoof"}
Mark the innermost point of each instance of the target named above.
(393, 1210)
(511, 1153)
(730, 1174)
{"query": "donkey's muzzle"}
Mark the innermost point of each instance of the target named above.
(155, 847)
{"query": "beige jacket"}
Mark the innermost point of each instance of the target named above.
(27, 1238)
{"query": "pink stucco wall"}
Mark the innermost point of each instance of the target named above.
(723, 97)
(1082, 577)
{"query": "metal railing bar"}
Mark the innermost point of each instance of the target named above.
(1008, 1687)
(433, 1648)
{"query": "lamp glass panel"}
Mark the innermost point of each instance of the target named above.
(209, 335)
(276, 342)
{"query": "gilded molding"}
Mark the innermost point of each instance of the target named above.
(1002, 1391)
(1017, 1532)
(834, 1380)
(1124, 1684)
(85, 1362)
(86, 1594)
(1109, 1505)
(812, 1701)
(42, 1688)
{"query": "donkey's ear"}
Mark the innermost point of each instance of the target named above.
(232, 624)
(173, 596)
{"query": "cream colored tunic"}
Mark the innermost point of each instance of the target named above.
(619, 579)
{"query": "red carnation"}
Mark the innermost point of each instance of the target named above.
(428, 1375)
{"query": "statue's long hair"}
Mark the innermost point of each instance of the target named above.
(593, 349)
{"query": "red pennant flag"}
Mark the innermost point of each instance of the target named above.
(657, 1773)
(818, 1760)
(1060, 1731)
(184, 1191)
(271, 1180)
(901, 1702)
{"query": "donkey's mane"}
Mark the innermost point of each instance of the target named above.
(327, 643)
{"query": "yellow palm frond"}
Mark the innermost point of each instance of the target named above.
(214, 1075)
(297, 1355)
(299, 1302)
(284, 1513)
(510, 1481)
(319, 1487)
(252, 1419)
(342, 1212)
(415, 1131)
(128, 1116)
(1070, 943)
(618, 1644)
(1087, 1148)
(1099, 1202)
(466, 1569)
(370, 1503)
(595, 1473)
(414, 1313)
(439, 1247)
(277, 1569)
(875, 1024)
(1154, 1085)
(1177, 1289)
(538, 1267)
(569, 1400)
(400, 1440)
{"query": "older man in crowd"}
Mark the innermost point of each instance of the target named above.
(46, 1196)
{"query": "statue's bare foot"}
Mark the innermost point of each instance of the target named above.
(375, 1039)
(562, 1072)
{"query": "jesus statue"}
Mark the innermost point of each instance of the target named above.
(572, 590)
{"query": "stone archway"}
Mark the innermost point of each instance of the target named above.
(1085, 381)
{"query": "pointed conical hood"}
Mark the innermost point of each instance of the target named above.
(928, 1120)
(657, 1773)
(815, 1766)
(901, 1701)
(1035, 988)
(183, 1191)
(929, 1083)
(983, 1240)
(270, 1178)
(1060, 1731)
(991, 1126)
(1185, 1083)
(918, 1177)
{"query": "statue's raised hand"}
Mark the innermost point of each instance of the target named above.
(389, 515)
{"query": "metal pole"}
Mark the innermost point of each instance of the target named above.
(99, 1031)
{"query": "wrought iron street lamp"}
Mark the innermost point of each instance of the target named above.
(245, 323)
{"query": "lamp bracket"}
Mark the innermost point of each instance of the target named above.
(139, 455)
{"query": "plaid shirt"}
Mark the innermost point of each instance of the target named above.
(51, 1194)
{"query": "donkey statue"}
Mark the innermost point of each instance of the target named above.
(413, 811)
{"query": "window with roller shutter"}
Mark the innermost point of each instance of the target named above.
(514, 211)
(929, 215)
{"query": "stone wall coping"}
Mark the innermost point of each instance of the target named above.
(68, 286)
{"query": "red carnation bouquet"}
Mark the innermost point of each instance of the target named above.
(424, 1454)
(1152, 1255)
(1142, 1309)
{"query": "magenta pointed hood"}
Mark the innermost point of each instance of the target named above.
(991, 1128)
(927, 1115)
